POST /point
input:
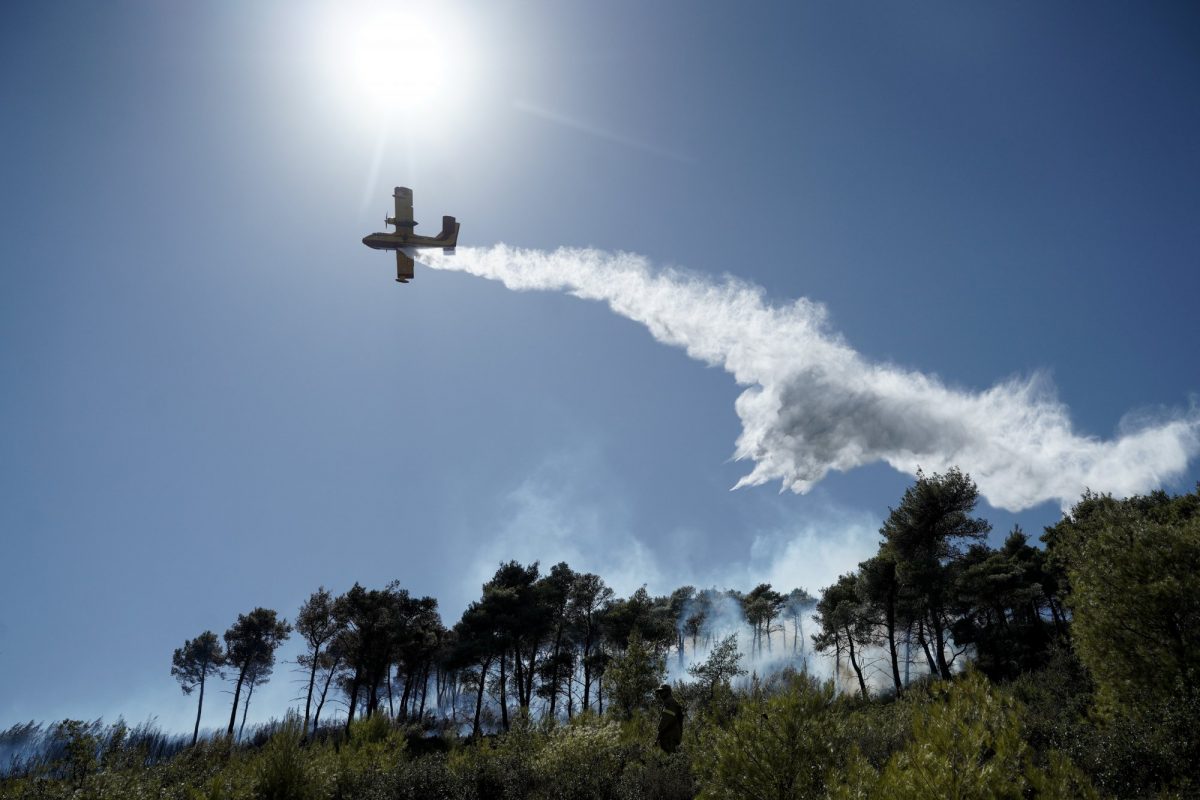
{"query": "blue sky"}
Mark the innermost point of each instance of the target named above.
(215, 397)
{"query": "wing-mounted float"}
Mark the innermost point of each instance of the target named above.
(404, 240)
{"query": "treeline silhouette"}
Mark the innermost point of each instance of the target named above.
(958, 669)
(934, 592)
(533, 643)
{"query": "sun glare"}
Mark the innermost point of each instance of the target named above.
(391, 64)
(394, 64)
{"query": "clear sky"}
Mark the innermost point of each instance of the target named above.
(213, 397)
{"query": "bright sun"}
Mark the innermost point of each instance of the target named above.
(393, 64)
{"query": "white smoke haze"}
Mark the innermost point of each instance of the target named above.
(810, 555)
(555, 515)
(813, 404)
(788, 645)
(561, 512)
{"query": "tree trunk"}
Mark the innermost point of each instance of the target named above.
(237, 693)
(554, 673)
(483, 671)
(940, 645)
(405, 695)
(933, 670)
(571, 694)
(587, 675)
(503, 691)
(372, 693)
(890, 624)
(1059, 623)
(530, 674)
(424, 691)
(354, 685)
(907, 651)
(312, 680)
(862, 684)
(199, 706)
(324, 693)
(245, 709)
(837, 662)
(439, 687)
(519, 669)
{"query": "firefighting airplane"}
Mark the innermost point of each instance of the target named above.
(403, 241)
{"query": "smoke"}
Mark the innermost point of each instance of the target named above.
(806, 554)
(566, 509)
(813, 404)
(557, 514)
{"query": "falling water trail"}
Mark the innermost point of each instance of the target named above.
(814, 404)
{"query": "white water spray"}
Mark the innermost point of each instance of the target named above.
(813, 404)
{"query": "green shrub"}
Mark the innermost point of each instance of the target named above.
(80, 748)
(881, 728)
(370, 730)
(775, 747)
(498, 768)
(283, 768)
(426, 778)
(966, 743)
(632, 676)
(657, 776)
(1152, 749)
(580, 761)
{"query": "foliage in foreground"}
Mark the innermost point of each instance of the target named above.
(795, 738)
(966, 742)
(965, 738)
(1098, 700)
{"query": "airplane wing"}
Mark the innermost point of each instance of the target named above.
(404, 267)
(404, 213)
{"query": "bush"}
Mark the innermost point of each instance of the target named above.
(284, 771)
(632, 676)
(881, 728)
(1153, 749)
(1134, 569)
(500, 767)
(657, 777)
(80, 747)
(776, 747)
(966, 743)
(580, 761)
(426, 778)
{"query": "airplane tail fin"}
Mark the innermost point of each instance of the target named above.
(448, 238)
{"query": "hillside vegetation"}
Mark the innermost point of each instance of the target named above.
(958, 670)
